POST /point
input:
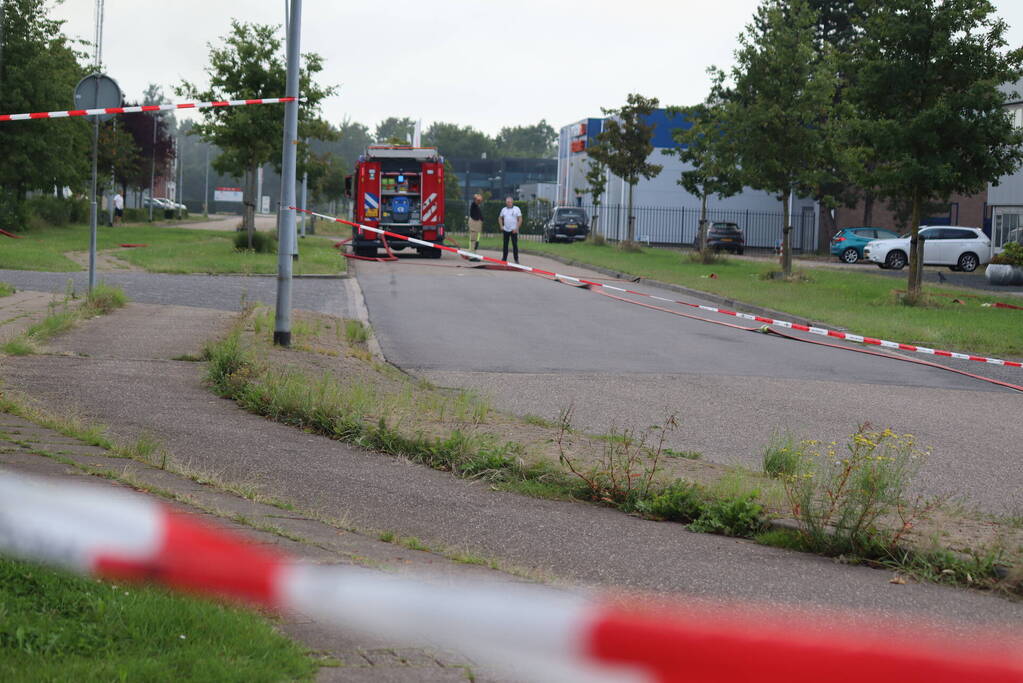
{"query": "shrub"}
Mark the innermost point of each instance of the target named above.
(262, 242)
(597, 240)
(56, 211)
(1011, 256)
(136, 215)
(681, 501)
(12, 212)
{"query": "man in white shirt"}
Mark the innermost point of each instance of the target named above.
(510, 221)
(118, 208)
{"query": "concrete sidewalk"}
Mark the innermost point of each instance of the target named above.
(137, 388)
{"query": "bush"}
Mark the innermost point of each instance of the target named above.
(13, 216)
(56, 211)
(1011, 256)
(262, 242)
(136, 215)
(456, 216)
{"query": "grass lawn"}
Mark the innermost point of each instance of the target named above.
(169, 250)
(861, 302)
(56, 626)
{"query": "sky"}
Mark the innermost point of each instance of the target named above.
(481, 63)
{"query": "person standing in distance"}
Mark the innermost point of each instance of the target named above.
(118, 208)
(475, 222)
(511, 221)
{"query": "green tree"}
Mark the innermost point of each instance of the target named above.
(596, 186)
(326, 177)
(624, 145)
(248, 63)
(453, 140)
(353, 138)
(712, 152)
(395, 131)
(930, 110)
(38, 72)
(119, 155)
(535, 142)
(782, 90)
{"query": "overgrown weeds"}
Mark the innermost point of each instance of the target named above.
(628, 477)
(781, 455)
(104, 299)
(357, 414)
(839, 495)
(356, 332)
(6, 289)
(707, 257)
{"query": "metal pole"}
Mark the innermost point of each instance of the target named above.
(282, 324)
(206, 186)
(305, 195)
(92, 199)
(181, 174)
(152, 169)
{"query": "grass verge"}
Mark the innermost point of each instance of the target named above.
(63, 315)
(57, 626)
(856, 299)
(167, 250)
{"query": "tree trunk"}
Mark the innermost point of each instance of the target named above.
(916, 253)
(701, 239)
(868, 208)
(249, 204)
(630, 234)
(786, 236)
(827, 230)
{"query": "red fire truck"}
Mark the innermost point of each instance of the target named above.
(399, 189)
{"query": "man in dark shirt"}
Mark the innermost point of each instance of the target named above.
(475, 222)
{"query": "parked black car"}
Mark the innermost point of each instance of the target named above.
(726, 236)
(566, 223)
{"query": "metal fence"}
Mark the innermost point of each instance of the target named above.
(673, 226)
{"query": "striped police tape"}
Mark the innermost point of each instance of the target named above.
(143, 108)
(532, 632)
(821, 331)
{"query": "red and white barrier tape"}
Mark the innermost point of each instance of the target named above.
(822, 331)
(143, 108)
(539, 633)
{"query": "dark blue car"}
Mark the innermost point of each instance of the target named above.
(848, 243)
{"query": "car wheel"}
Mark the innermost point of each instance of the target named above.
(968, 262)
(367, 252)
(850, 255)
(896, 260)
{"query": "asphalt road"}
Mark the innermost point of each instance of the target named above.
(538, 347)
